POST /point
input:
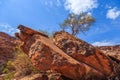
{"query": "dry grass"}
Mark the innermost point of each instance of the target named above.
(19, 67)
(23, 64)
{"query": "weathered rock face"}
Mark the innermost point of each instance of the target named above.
(66, 54)
(84, 52)
(72, 45)
(46, 56)
(7, 44)
(113, 51)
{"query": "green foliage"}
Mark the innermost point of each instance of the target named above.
(78, 23)
(9, 76)
(18, 67)
(22, 63)
(8, 71)
(9, 67)
(5, 70)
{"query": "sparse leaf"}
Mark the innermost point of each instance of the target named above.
(78, 23)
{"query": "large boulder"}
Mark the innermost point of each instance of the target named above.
(65, 54)
(86, 53)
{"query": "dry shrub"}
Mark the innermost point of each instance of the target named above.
(22, 64)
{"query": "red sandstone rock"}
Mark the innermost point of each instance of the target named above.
(46, 56)
(7, 45)
(84, 52)
(113, 51)
(74, 58)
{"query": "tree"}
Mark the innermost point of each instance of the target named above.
(78, 23)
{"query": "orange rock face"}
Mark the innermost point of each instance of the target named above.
(84, 52)
(45, 55)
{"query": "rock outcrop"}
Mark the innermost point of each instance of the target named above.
(84, 52)
(46, 56)
(113, 51)
(7, 45)
(67, 55)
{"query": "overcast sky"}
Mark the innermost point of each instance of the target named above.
(47, 14)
